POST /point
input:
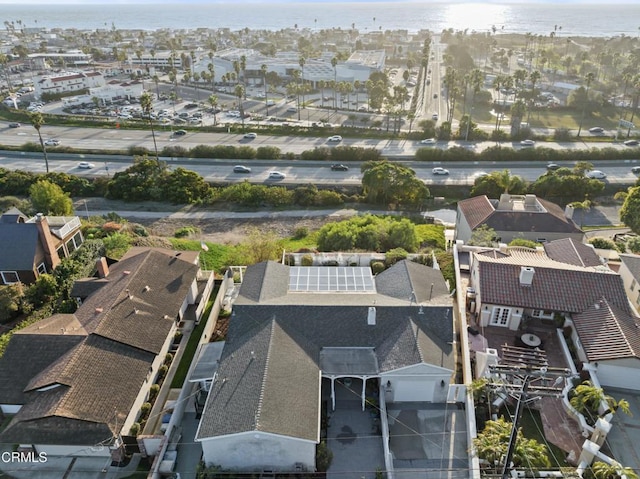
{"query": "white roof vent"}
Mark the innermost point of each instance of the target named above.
(371, 316)
(526, 275)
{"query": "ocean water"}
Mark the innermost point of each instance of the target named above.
(604, 20)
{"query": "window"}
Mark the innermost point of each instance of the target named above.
(544, 314)
(500, 316)
(541, 240)
(42, 268)
(77, 240)
(9, 277)
(61, 252)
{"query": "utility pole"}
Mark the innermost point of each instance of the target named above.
(530, 375)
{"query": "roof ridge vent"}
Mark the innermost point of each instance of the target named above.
(126, 272)
(147, 288)
(99, 310)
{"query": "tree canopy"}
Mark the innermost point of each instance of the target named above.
(389, 183)
(630, 211)
(49, 199)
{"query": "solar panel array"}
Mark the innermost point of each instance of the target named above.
(331, 279)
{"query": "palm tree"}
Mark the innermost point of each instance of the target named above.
(476, 79)
(322, 85)
(212, 75)
(296, 77)
(614, 470)
(240, 92)
(588, 79)
(37, 121)
(263, 69)
(301, 62)
(334, 64)
(213, 101)
(196, 79)
(146, 103)
(534, 77)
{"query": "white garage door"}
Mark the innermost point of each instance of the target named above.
(413, 390)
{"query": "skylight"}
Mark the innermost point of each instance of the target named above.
(331, 279)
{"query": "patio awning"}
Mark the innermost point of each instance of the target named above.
(207, 362)
(348, 362)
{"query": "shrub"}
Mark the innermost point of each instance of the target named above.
(145, 409)
(268, 153)
(324, 456)
(300, 233)
(140, 230)
(602, 243)
(162, 371)
(306, 260)
(562, 134)
(153, 391)
(168, 358)
(377, 267)
(524, 242)
(290, 260)
(394, 255)
(111, 227)
(328, 198)
(135, 429)
(138, 151)
(186, 231)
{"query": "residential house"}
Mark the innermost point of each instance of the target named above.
(337, 325)
(34, 246)
(516, 216)
(76, 382)
(517, 288)
(630, 272)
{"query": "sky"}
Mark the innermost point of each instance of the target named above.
(93, 2)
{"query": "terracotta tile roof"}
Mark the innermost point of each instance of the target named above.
(606, 332)
(556, 286)
(476, 210)
(568, 250)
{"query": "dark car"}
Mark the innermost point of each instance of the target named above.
(635, 169)
(339, 167)
(179, 132)
(14, 125)
(553, 166)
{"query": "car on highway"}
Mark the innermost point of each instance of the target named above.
(429, 141)
(51, 142)
(596, 175)
(241, 169)
(553, 166)
(179, 132)
(440, 171)
(435, 95)
(631, 143)
(14, 125)
(250, 136)
(335, 138)
(434, 117)
(276, 175)
(635, 169)
(85, 165)
(596, 129)
(527, 143)
(339, 167)
(292, 109)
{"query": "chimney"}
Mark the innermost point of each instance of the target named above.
(526, 275)
(371, 316)
(102, 267)
(568, 212)
(504, 204)
(46, 239)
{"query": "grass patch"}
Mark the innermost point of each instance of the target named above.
(532, 428)
(192, 345)
(216, 259)
(602, 227)
(294, 244)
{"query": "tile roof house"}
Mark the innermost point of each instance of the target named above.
(33, 246)
(516, 216)
(333, 324)
(526, 286)
(75, 382)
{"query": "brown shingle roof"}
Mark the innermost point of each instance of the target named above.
(606, 332)
(476, 210)
(570, 251)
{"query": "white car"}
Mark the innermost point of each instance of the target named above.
(527, 142)
(434, 117)
(86, 165)
(51, 142)
(632, 143)
(596, 129)
(276, 175)
(250, 136)
(429, 141)
(440, 171)
(596, 174)
(335, 138)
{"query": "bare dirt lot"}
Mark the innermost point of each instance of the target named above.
(223, 231)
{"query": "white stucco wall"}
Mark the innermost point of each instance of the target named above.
(621, 373)
(631, 286)
(463, 231)
(421, 382)
(255, 451)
